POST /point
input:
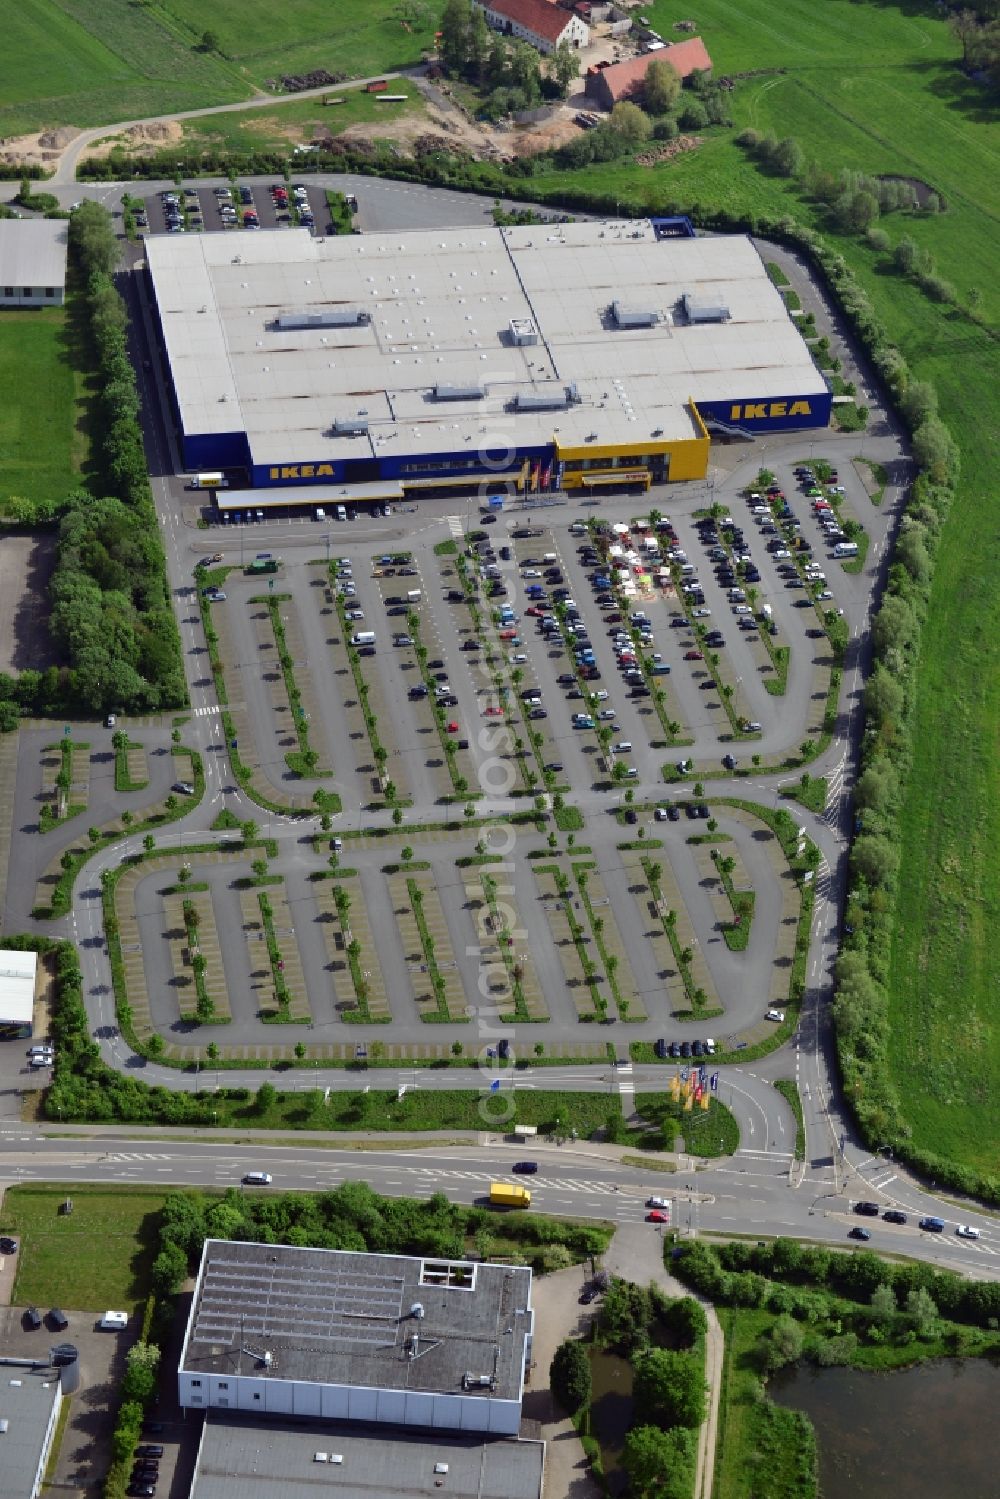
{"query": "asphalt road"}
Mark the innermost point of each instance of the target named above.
(750, 1194)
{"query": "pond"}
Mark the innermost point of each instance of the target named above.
(929, 1432)
(611, 1411)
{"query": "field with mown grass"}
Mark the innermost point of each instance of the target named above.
(42, 445)
(96, 1257)
(90, 62)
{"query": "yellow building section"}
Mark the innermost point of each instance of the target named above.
(655, 461)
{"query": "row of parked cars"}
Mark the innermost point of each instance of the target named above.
(684, 1048)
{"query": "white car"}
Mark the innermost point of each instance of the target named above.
(657, 1202)
(530, 572)
(606, 715)
(601, 695)
(701, 613)
(966, 1231)
(776, 1015)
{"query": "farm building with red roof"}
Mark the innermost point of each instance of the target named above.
(607, 86)
(544, 25)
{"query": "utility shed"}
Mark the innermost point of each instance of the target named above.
(18, 972)
(33, 262)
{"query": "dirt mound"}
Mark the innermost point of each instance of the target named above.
(58, 140)
(155, 133)
(39, 149)
(668, 150)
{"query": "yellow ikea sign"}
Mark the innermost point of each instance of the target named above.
(759, 411)
(303, 471)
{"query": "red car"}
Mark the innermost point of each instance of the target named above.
(535, 612)
(453, 727)
(692, 655)
(656, 1217)
(494, 712)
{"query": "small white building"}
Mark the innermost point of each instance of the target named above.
(33, 262)
(544, 25)
(18, 972)
(329, 1335)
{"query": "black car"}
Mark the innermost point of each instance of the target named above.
(867, 1209)
(8, 1245)
(893, 1215)
(631, 816)
(729, 761)
(141, 1490)
(703, 812)
(149, 1449)
(32, 1318)
(675, 1048)
(660, 1048)
(588, 1295)
(58, 1319)
(503, 1049)
(698, 1049)
(685, 1048)
(859, 1233)
(673, 813)
(525, 1168)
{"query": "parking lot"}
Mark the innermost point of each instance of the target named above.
(606, 663)
(240, 205)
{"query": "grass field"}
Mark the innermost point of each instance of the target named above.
(41, 442)
(87, 62)
(96, 1257)
(295, 122)
(756, 1436)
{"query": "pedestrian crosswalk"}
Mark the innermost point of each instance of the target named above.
(834, 795)
(455, 526)
(566, 1184)
(626, 1086)
(207, 711)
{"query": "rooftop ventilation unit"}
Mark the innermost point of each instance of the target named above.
(458, 392)
(523, 331)
(557, 399)
(634, 317)
(477, 1381)
(350, 426)
(704, 312)
(335, 317)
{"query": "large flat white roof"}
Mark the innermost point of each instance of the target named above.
(438, 307)
(33, 252)
(17, 986)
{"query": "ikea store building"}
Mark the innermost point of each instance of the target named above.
(593, 356)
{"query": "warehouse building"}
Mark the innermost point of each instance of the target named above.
(323, 1334)
(243, 1459)
(29, 1410)
(18, 978)
(588, 356)
(33, 262)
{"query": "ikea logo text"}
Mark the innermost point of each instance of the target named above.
(303, 471)
(759, 411)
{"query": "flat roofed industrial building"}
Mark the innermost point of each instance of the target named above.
(18, 974)
(240, 1459)
(284, 1331)
(548, 356)
(33, 262)
(29, 1406)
